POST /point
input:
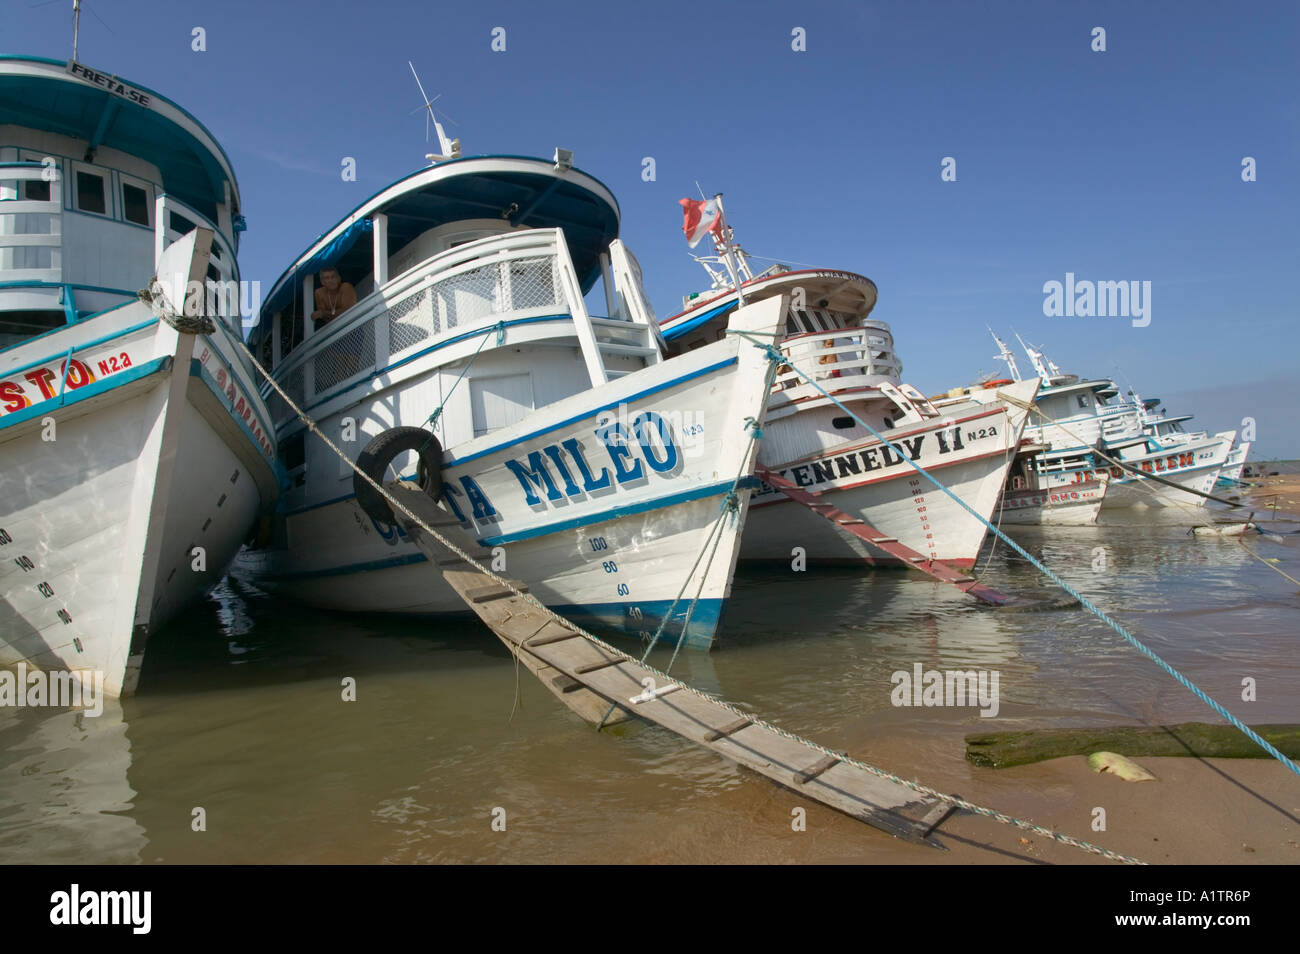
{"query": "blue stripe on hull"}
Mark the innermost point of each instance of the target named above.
(704, 620)
(614, 513)
(370, 566)
(102, 386)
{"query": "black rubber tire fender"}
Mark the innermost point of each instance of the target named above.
(382, 450)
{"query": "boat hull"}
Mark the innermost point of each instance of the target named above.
(1074, 506)
(968, 449)
(123, 497)
(601, 503)
(1195, 467)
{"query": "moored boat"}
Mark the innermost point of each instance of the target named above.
(968, 443)
(134, 450)
(580, 460)
(1027, 500)
(1084, 430)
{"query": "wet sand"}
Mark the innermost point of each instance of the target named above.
(1276, 497)
(1198, 811)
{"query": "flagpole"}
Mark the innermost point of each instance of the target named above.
(723, 245)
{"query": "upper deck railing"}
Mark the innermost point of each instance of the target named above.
(844, 359)
(518, 275)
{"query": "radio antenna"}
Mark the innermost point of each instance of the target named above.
(450, 147)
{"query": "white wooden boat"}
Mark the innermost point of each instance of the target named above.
(581, 461)
(1077, 418)
(133, 458)
(966, 441)
(1168, 431)
(1031, 498)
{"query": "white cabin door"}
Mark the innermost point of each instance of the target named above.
(500, 401)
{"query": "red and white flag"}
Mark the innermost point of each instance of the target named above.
(702, 216)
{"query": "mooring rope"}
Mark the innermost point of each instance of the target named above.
(1144, 479)
(730, 506)
(432, 419)
(735, 710)
(1182, 505)
(774, 354)
(1262, 560)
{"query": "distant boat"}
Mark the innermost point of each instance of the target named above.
(580, 460)
(133, 457)
(1032, 497)
(1085, 434)
(1230, 475)
(1168, 431)
(967, 442)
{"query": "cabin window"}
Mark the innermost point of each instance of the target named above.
(842, 423)
(293, 454)
(18, 326)
(1083, 401)
(30, 256)
(179, 223)
(135, 204)
(30, 190)
(90, 193)
(803, 321)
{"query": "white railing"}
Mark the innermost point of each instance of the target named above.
(1119, 424)
(473, 286)
(836, 360)
(31, 231)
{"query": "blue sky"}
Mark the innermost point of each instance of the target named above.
(1115, 165)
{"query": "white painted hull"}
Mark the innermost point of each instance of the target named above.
(100, 522)
(1074, 506)
(1230, 475)
(1195, 466)
(589, 544)
(866, 480)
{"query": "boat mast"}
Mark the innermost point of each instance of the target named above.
(1007, 356)
(76, 26)
(450, 147)
(1036, 358)
(728, 253)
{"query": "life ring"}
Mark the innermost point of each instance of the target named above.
(989, 385)
(382, 450)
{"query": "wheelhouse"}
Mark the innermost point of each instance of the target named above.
(97, 177)
(439, 261)
(827, 329)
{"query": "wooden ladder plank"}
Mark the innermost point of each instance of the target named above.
(804, 776)
(494, 591)
(592, 667)
(729, 729)
(869, 534)
(599, 687)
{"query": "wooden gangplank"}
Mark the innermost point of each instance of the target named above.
(859, 528)
(589, 679)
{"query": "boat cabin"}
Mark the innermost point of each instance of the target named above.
(97, 178)
(827, 331)
(477, 267)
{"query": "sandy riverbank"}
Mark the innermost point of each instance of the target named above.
(1274, 496)
(1215, 811)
